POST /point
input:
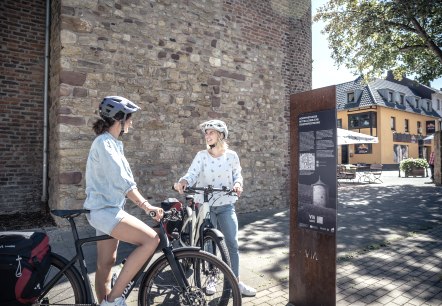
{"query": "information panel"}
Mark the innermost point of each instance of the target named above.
(317, 171)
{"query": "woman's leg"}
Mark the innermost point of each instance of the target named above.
(106, 257)
(224, 218)
(133, 231)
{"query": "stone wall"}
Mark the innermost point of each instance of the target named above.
(22, 39)
(183, 62)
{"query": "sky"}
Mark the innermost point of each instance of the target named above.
(325, 72)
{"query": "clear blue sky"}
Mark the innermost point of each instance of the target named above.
(325, 72)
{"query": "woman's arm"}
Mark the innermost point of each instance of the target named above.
(237, 176)
(135, 196)
(192, 174)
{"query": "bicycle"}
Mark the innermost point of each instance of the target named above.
(197, 228)
(176, 277)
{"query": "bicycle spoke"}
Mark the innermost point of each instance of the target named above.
(210, 283)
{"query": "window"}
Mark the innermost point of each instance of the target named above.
(401, 99)
(393, 123)
(428, 105)
(390, 96)
(406, 126)
(363, 148)
(339, 123)
(362, 120)
(419, 127)
(350, 97)
(400, 152)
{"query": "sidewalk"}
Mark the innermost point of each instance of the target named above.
(389, 246)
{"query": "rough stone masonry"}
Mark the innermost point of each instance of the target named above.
(183, 62)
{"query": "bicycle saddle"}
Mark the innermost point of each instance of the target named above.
(68, 213)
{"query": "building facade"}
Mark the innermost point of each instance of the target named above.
(391, 111)
(183, 62)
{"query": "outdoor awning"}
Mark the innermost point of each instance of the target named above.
(349, 137)
(429, 137)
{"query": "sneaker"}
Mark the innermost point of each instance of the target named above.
(118, 302)
(246, 290)
(211, 286)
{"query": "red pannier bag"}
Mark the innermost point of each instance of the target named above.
(24, 262)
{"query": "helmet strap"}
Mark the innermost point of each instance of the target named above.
(123, 122)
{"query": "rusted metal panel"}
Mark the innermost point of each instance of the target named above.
(312, 276)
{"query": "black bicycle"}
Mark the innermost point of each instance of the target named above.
(178, 277)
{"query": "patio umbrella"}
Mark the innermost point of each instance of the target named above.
(349, 137)
(429, 137)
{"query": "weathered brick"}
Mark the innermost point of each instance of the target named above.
(70, 178)
(72, 78)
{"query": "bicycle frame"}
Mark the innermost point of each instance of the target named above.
(200, 219)
(79, 256)
(164, 246)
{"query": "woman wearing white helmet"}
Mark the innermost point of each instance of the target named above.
(219, 166)
(109, 181)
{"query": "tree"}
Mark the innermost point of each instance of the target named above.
(371, 37)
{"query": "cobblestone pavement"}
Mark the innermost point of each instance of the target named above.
(389, 246)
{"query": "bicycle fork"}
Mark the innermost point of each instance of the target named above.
(177, 269)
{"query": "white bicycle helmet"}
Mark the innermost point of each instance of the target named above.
(217, 125)
(117, 108)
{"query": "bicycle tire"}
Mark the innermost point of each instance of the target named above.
(216, 246)
(68, 290)
(159, 286)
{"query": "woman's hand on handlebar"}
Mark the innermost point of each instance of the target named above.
(180, 186)
(237, 188)
(155, 212)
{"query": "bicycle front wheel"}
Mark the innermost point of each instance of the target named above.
(216, 246)
(211, 282)
(64, 288)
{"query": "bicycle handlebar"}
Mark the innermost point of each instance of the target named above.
(169, 215)
(206, 191)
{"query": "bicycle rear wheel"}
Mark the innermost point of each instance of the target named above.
(68, 287)
(202, 270)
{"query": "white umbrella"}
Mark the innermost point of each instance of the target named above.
(429, 137)
(349, 137)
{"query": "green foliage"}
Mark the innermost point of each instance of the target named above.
(407, 164)
(371, 37)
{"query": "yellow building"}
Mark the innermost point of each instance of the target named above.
(390, 111)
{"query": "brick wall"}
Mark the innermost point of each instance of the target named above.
(22, 39)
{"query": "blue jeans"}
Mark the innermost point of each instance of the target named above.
(224, 219)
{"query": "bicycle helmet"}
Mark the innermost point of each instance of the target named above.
(117, 108)
(217, 125)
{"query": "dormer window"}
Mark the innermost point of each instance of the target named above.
(429, 106)
(401, 99)
(350, 97)
(390, 96)
(416, 101)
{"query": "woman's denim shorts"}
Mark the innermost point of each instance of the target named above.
(105, 219)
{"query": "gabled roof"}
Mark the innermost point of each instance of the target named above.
(370, 95)
(417, 88)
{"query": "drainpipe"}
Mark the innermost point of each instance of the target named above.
(44, 197)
